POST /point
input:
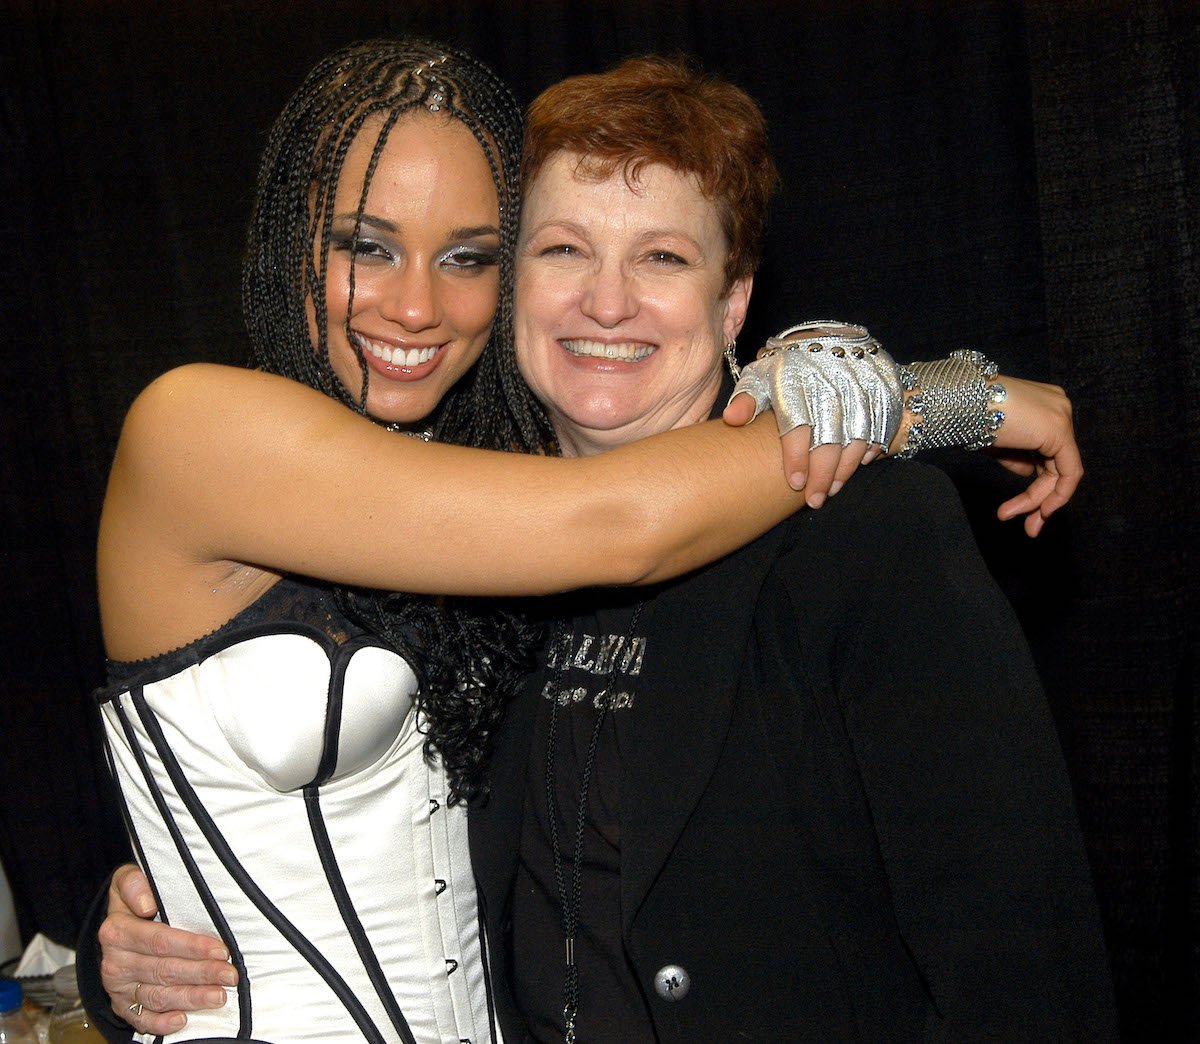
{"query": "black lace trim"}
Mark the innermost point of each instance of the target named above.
(308, 604)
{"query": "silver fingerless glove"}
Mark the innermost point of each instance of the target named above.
(831, 375)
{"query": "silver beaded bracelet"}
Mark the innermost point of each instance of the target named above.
(951, 403)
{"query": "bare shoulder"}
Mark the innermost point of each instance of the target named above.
(190, 426)
(172, 405)
(201, 438)
(200, 395)
(162, 580)
(194, 382)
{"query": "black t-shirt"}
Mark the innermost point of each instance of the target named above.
(588, 654)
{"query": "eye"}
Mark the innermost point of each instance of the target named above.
(665, 257)
(559, 250)
(471, 257)
(363, 249)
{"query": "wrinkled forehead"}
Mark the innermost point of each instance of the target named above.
(572, 186)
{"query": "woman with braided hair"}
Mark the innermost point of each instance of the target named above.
(290, 740)
(290, 735)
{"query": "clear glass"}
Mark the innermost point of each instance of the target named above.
(72, 1025)
(69, 1022)
(17, 1028)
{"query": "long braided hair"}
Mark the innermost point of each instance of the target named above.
(468, 655)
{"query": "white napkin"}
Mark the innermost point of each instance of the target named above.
(43, 957)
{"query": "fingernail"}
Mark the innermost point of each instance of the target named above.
(214, 998)
(816, 500)
(218, 953)
(176, 1021)
(870, 455)
(228, 977)
(835, 487)
(797, 480)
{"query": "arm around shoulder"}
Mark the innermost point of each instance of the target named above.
(227, 464)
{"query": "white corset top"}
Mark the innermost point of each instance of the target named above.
(317, 714)
(277, 794)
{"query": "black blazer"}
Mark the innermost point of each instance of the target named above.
(845, 812)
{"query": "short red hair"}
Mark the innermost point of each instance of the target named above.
(663, 110)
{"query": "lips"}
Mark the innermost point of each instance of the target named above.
(398, 361)
(620, 351)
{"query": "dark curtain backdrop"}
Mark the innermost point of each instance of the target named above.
(1017, 177)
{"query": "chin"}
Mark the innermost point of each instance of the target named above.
(598, 423)
(597, 419)
(414, 416)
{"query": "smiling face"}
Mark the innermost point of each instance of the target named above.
(622, 309)
(426, 273)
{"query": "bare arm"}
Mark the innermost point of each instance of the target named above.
(1037, 439)
(221, 465)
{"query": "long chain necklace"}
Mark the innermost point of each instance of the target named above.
(569, 901)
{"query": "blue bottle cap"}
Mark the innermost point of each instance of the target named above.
(10, 995)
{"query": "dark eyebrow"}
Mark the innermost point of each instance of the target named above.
(474, 232)
(382, 224)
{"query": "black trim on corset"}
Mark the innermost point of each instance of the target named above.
(269, 911)
(150, 724)
(337, 886)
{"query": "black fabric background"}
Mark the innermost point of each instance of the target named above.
(1017, 177)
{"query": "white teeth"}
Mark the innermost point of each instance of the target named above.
(628, 351)
(396, 356)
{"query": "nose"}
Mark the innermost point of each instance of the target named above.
(410, 296)
(609, 297)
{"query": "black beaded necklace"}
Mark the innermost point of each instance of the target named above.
(569, 901)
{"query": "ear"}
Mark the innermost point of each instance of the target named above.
(737, 301)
